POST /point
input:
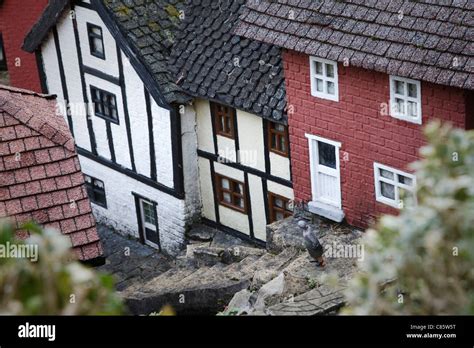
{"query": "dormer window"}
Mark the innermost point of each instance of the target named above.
(96, 41)
(323, 75)
(405, 99)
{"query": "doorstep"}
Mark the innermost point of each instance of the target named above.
(325, 210)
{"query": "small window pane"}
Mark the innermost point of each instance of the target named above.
(279, 216)
(227, 197)
(399, 87)
(400, 105)
(225, 184)
(319, 68)
(386, 174)
(97, 46)
(319, 85)
(329, 70)
(387, 190)
(282, 144)
(412, 109)
(327, 155)
(331, 87)
(279, 127)
(279, 203)
(412, 92)
(405, 180)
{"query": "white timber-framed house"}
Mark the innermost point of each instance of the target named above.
(160, 151)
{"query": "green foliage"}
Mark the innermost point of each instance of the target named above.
(55, 284)
(422, 262)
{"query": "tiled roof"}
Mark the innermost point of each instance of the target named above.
(209, 61)
(425, 40)
(150, 27)
(40, 174)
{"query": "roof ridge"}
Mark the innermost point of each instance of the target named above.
(27, 92)
(55, 132)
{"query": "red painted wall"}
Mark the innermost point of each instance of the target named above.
(16, 19)
(365, 134)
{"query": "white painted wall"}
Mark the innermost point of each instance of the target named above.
(73, 79)
(163, 146)
(204, 125)
(110, 64)
(259, 219)
(280, 166)
(207, 195)
(250, 128)
(190, 161)
(120, 213)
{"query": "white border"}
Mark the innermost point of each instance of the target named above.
(392, 108)
(378, 178)
(325, 78)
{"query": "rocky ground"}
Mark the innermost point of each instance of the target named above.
(220, 273)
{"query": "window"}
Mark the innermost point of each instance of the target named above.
(390, 183)
(405, 99)
(278, 138)
(95, 190)
(96, 41)
(231, 193)
(149, 213)
(324, 78)
(105, 104)
(279, 207)
(224, 117)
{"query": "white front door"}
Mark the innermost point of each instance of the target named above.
(149, 223)
(325, 177)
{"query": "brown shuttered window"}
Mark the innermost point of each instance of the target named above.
(278, 138)
(279, 207)
(224, 119)
(231, 193)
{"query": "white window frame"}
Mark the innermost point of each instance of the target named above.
(396, 203)
(393, 105)
(324, 78)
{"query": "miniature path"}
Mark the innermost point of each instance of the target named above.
(129, 261)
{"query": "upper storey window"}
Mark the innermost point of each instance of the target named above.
(224, 118)
(96, 41)
(324, 82)
(405, 99)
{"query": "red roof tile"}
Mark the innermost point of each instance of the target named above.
(40, 174)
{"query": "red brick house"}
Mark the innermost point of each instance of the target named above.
(362, 78)
(20, 67)
(40, 174)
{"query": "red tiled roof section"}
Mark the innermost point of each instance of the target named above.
(40, 174)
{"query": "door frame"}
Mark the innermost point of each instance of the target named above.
(140, 219)
(314, 160)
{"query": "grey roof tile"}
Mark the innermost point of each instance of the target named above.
(413, 39)
(245, 74)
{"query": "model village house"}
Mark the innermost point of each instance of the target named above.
(228, 111)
